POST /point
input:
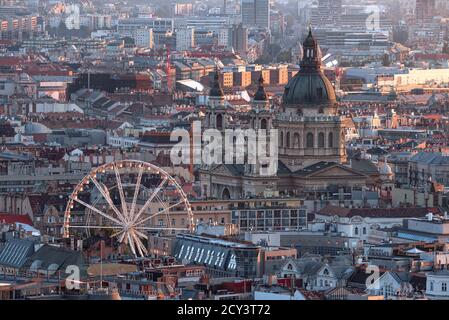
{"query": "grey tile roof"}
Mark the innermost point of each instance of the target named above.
(315, 168)
(434, 158)
(16, 252)
(236, 169)
(53, 258)
(364, 166)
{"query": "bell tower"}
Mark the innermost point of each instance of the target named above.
(216, 109)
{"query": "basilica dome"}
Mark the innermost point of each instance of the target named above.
(309, 86)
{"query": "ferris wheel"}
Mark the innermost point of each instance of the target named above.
(128, 199)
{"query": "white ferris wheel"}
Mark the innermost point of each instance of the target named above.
(128, 198)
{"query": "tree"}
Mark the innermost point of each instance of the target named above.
(273, 49)
(264, 59)
(285, 56)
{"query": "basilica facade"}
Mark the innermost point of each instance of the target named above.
(311, 148)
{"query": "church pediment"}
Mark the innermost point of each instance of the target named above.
(328, 171)
(226, 170)
(336, 171)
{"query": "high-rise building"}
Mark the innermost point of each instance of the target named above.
(181, 9)
(239, 38)
(143, 37)
(185, 39)
(425, 9)
(328, 12)
(256, 13)
(231, 7)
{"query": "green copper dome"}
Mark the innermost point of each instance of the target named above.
(309, 85)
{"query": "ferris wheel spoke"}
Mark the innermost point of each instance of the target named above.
(142, 246)
(108, 199)
(141, 234)
(160, 212)
(96, 227)
(167, 211)
(131, 243)
(122, 237)
(115, 234)
(136, 193)
(137, 243)
(161, 228)
(122, 196)
(150, 199)
(105, 215)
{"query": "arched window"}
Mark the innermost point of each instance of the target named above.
(219, 123)
(309, 141)
(226, 195)
(321, 140)
(288, 140)
(364, 230)
(356, 231)
(281, 138)
(263, 124)
(330, 140)
(296, 140)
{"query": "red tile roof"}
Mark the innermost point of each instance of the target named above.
(15, 218)
(10, 61)
(432, 56)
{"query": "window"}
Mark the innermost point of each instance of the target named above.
(330, 140)
(219, 123)
(309, 139)
(281, 142)
(431, 285)
(288, 139)
(388, 290)
(296, 140)
(321, 140)
(356, 230)
(444, 287)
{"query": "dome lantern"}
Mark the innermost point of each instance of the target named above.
(310, 89)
